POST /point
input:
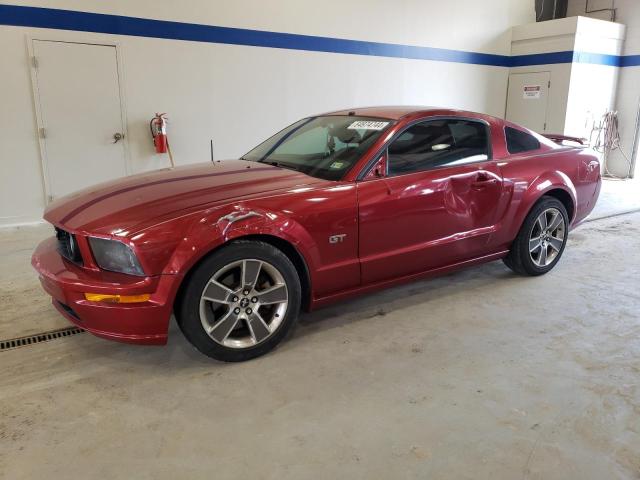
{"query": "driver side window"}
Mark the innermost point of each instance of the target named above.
(438, 143)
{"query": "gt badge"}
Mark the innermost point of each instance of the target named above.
(337, 238)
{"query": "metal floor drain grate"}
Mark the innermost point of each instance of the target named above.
(38, 338)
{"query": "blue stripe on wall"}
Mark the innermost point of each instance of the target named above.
(598, 59)
(541, 59)
(142, 27)
(630, 61)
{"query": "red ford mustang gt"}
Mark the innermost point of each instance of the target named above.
(332, 206)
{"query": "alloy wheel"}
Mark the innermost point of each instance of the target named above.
(547, 237)
(243, 303)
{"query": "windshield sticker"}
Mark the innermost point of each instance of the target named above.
(336, 165)
(367, 125)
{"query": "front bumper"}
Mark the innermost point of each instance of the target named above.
(141, 323)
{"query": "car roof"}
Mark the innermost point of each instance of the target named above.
(396, 112)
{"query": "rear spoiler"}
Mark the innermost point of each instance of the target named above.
(556, 137)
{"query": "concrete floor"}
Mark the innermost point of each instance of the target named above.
(617, 196)
(480, 374)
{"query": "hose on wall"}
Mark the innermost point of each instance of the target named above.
(605, 138)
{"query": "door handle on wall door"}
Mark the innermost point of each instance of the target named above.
(117, 137)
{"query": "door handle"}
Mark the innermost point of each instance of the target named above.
(482, 180)
(117, 137)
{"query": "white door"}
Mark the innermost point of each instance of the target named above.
(80, 115)
(527, 100)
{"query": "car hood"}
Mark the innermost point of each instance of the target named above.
(136, 202)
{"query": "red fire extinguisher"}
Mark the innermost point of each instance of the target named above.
(158, 126)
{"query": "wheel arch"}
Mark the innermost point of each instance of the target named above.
(556, 184)
(286, 247)
(565, 198)
(292, 254)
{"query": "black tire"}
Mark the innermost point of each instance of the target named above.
(188, 308)
(519, 258)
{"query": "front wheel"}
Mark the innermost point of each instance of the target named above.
(541, 240)
(240, 302)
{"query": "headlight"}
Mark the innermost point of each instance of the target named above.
(115, 256)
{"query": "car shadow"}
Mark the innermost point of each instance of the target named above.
(180, 356)
(390, 300)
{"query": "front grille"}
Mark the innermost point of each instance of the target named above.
(68, 246)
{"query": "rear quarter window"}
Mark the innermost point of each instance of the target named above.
(519, 141)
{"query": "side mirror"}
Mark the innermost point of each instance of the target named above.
(379, 170)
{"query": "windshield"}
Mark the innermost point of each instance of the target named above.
(324, 147)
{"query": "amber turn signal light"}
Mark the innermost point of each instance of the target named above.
(102, 297)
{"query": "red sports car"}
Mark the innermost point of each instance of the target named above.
(332, 206)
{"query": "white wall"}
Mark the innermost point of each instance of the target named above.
(628, 94)
(239, 95)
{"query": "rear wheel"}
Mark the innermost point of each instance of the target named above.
(541, 240)
(240, 302)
